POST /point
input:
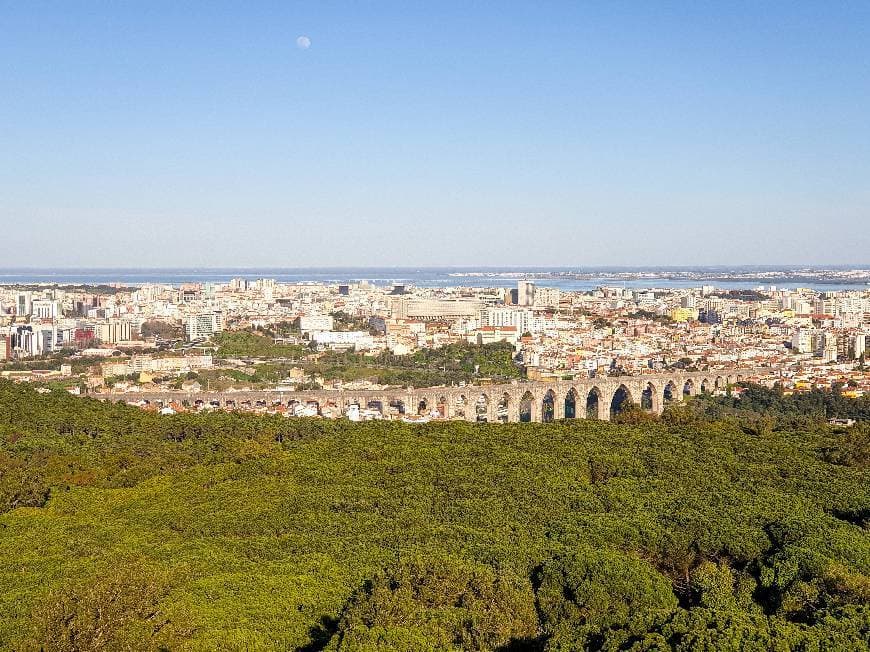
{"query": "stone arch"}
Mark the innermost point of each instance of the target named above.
(424, 405)
(689, 388)
(671, 392)
(315, 404)
(649, 399)
(443, 407)
(548, 406)
(462, 406)
(719, 384)
(503, 408)
(571, 404)
(620, 400)
(527, 407)
(594, 404)
(705, 386)
(399, 405)
(481, 408)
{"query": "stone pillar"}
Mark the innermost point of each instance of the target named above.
(605, 398)
(658, 399)
(537, 409)
(492, 410)
(558, 408)
(658, 403)
(513, 409)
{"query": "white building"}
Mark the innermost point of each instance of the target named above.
(519, 318)
(113, 331)
(310, 323)
(525, 293)
(802, 340)
(23, 303)
(343, 339)
(204, 325)
(547, 297)
(859, 345)
(46, 309)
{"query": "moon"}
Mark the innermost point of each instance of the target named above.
(303, 42)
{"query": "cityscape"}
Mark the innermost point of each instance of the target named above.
(435, 327)
(170, 341)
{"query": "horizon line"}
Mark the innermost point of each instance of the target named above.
(779, 266)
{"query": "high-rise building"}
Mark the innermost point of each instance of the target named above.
(826, 346)
(113, 331)
(23, 303)
(859, 345)
(46, 309)
(802, 340)
(238, 285)
(507, 317)
(204, 325)
(525, 293)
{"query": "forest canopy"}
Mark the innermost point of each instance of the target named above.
(123, 529)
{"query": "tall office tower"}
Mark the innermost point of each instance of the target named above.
(859, 345)
(525, 293)
(24, 303)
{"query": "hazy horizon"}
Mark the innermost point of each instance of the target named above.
(471, 268)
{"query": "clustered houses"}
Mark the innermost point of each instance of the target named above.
(801, 337)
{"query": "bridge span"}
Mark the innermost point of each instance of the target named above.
(541, 401)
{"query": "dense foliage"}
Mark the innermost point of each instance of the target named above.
(123, 529)
(248, 344)
(447, 365)
(818, 403)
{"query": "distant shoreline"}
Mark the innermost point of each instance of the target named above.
(819, 278)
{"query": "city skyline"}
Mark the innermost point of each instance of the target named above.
(329, 135)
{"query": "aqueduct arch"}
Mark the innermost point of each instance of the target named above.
(571, 402)
(578, 399)
(596, 406)
(620, 400)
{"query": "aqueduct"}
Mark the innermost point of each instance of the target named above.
(592, 398)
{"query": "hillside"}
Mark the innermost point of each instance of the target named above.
(121, 529)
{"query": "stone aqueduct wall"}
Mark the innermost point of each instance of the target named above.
(454, 402)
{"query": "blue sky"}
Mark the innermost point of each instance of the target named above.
(434, 133)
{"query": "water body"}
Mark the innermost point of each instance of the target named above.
(436, 277)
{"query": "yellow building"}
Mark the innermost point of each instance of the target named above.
(684, 314)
